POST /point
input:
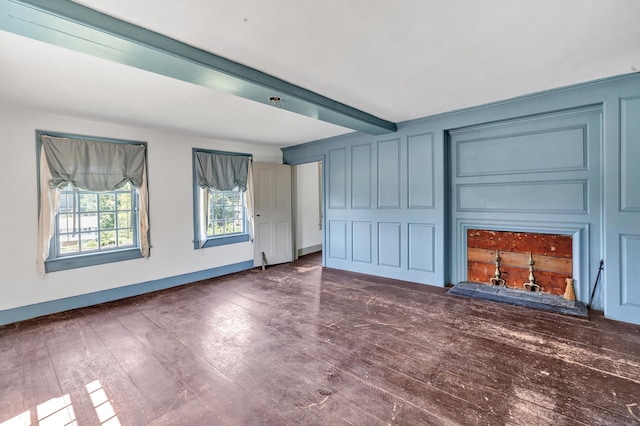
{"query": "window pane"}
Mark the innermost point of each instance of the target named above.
(88, 202)
(107, 239)
(124, 219)
(125, 238)
(65, 223)
(88, 222)
(217, 197)
(69, 243)
(88, 242)
(218, 213)
(124, 201)
(107, 221)
(107, 201)
(66, 202)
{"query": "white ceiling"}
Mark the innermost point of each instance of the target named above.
(397, 60)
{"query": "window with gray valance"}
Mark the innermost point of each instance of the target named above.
(214, 173)
(88, 165)
(221, 172)
(96, 166)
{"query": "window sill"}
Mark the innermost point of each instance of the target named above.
(221, 241)
(72, 262)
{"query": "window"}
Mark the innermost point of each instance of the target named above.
(222, 198)
(226, 213)
(93, 205)
(90, 222)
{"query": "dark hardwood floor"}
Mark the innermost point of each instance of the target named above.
(301, 345)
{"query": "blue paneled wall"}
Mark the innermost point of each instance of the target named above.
(536, 174)
(381, 216)
(563, 161)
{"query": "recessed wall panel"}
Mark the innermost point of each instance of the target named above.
(538, 197)
(421, 247)
(361, 176)
(541, 151)
(389, 244)
(338, 239)
(265, 235)
(420, 169)
(283, 192)
(283, 238)
(264, 181)
(338, 178)
(630, 155)
(389, 174)
(361, 241)
(630, 270)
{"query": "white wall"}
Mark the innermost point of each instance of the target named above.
(170, 199)
(308, 232)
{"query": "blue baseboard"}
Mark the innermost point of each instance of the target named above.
(21, 313)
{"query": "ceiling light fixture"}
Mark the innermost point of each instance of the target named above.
(276, 101)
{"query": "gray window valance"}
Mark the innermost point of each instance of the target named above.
(94, 166)
(221, 172)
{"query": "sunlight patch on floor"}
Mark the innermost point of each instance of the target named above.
(102, 405)
(22, 419)
(56, 412)
(59, 411)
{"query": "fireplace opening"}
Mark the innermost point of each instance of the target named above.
(547, 257)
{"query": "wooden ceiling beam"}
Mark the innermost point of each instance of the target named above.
(79, 28)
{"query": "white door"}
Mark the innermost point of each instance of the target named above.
(272, 221)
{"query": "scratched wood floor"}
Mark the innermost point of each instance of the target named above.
(302, 345)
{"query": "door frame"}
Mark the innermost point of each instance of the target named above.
(312, 159)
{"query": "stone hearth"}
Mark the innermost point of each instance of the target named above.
(528, 299)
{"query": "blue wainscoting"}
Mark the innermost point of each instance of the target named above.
(420, 166)
(630, 156)
(421, 247)
(381, 200)
(32, 311)
(562, 161)
(338, 239)
(622, 208)
(389, 253)
(337, 174)
(388, 174)
(361, 176)
(361, 241)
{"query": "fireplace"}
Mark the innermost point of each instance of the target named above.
(549, 257)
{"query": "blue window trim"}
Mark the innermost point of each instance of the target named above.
(227, 239)
(213, 241)
(72, 262)
(53, 264)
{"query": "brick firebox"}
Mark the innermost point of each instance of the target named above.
(552, 254)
